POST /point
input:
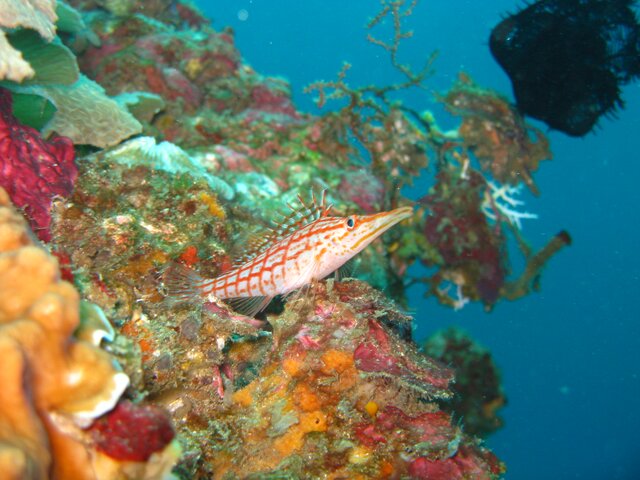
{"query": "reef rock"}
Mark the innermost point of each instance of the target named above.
(336, 391)
(53, 385)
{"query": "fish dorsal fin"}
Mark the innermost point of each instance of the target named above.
(297, 218)
(302, 215)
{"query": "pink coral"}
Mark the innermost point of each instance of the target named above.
(269, 99)
(32, 170)
(382, 354)
(461, 233)
(432, 427)
(464, 464)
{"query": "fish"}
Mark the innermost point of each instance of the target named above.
(308, 245)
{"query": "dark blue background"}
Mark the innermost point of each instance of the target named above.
(570, 355)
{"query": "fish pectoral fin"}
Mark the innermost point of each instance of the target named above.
(295, 294)
(306, 291)
(249, 306)
(347, 270)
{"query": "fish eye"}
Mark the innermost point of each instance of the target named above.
(351, 222)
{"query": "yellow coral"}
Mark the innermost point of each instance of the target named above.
(339, 364)
(360, 454)
(193, 68)
(315, 421)
(371, 408)
(293, 439)
(305, 398)
(336, 361)
(290, 442)
(211, 202)
(294, 366)
(244, 396)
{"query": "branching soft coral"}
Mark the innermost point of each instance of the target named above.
(497, 134)
(395, 145)
(471, 249)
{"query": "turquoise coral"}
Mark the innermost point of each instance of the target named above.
(86, 114)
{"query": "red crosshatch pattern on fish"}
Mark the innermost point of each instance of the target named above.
(308, 244)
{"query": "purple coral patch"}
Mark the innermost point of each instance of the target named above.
(32, 170)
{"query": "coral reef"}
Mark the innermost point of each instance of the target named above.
(338, 392)
(497, 134)
(477, 391)
(326, 382)
(470, 248)
(467, 238)
(54, 386)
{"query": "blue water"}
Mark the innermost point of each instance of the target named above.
(570, 355)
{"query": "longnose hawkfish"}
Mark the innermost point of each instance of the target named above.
(307, 245)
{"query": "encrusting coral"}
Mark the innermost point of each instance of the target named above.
(340, 392)
(54, 386)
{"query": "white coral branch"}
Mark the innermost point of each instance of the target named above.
(500, 202)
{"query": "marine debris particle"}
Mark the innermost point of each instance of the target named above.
(567, 59)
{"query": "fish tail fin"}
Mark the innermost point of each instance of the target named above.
(182, 284)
